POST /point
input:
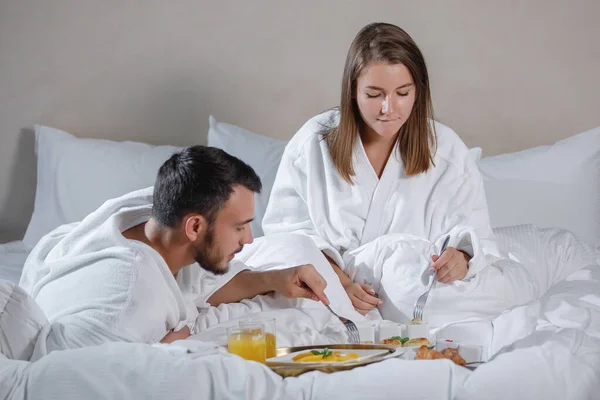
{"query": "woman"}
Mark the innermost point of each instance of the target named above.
(379, 164)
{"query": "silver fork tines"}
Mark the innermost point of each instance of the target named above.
(422, 300)
(353, 335)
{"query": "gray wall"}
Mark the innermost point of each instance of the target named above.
(506, 75)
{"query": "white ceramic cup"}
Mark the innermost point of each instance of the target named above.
(366, 331)
(388, 329)
(418, 330)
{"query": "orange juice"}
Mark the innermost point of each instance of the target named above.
(268, 327)
(271, 343)
(248, 344)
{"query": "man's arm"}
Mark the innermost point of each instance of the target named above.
(244, 285)
(301, 281)
(172, 335)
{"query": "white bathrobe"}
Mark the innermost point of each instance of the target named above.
(96, 286)
(310, 197)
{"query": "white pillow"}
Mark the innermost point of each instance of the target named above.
(548, 186)
(75, 176)
(261, 153)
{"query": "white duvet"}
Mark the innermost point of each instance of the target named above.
(546, 348)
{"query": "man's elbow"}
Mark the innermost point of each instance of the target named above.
(214, 300)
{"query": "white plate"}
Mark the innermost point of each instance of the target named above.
(362, 355)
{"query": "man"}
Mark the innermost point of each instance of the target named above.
(129, 271)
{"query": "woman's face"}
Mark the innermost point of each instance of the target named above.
(385, 94)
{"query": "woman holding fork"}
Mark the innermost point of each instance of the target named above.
(379, 164)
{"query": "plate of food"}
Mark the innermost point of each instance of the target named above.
(293, 361)
(327, 356)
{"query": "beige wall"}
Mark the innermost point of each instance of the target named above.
(506, 75)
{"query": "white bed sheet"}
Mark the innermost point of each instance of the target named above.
(12, 259)
(548, 348)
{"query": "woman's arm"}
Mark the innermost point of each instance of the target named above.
(461, 210)
(363, 297)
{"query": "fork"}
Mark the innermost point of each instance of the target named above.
(422, 300)
(353, 334)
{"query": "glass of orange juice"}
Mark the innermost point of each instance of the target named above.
(247, 341)
(270, 333)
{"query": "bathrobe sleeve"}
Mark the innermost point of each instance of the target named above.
(288, 210)
(463, 213)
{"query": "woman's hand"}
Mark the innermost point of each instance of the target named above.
(362, 296)
(451, 266)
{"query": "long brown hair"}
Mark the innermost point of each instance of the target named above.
(381, 42)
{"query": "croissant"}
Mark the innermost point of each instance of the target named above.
(424, 353)
(452, 354)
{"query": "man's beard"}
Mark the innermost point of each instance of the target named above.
(209, 257)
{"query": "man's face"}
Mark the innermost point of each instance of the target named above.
(228, 233)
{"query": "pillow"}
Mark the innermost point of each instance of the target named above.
(548, 186)
(75, 176)
(475, 153)
(261, 153)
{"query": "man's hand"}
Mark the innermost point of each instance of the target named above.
(451, 266)
(172, 336)
(301, 281)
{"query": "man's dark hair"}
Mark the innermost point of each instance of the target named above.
(198, 179)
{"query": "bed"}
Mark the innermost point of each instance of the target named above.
(12, 258)
(545, 209)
